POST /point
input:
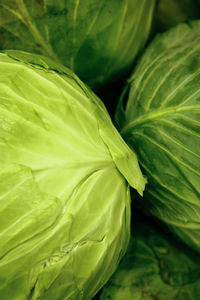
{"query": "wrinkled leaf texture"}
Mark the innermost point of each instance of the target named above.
(156, 266)
(64, 192)
(97, 39)
(161, 122)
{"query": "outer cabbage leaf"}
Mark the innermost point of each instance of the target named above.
(97, 39)
(155, 266)
(51, 123)
(49, 251)
(161, 122)
(169, 13)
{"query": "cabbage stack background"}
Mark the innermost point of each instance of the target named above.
(98, 40)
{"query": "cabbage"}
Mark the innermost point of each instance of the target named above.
(97, 39)
(150, 269)
(161, 122)
(51, 250)
(64, 183)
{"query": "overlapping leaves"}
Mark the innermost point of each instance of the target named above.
(161, 123)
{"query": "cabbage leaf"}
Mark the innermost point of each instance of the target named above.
(156, 266)
(52, 251)
(64, 183)
(161, 122)
(97, 39)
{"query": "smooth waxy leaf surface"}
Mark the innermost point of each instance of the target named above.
(50, 251)
(65, 206)
(52, 123)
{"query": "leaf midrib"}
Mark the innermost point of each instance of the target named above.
(126, 130)
(25, 18)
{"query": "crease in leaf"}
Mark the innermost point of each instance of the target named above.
(65, 223)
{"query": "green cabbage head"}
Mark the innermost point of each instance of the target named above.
(97, 39)
(64, 184)
(155, 267)
(162, 123)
